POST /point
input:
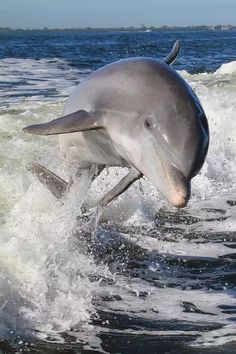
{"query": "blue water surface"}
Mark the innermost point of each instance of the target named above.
(204, 50)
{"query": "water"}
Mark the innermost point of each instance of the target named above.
(159, 280)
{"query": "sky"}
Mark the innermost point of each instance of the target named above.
(115, 13)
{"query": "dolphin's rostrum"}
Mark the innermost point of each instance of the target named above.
(137, 113)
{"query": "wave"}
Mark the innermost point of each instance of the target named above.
(47, 282)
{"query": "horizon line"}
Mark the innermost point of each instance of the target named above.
(129, 28)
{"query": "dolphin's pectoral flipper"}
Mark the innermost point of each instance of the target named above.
(173, 54)
(121, 187)
(54, 183)
(74, 122)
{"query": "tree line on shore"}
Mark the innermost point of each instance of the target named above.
(143, 28)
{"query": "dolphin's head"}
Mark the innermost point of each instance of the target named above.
(172, 151)
(169, 143)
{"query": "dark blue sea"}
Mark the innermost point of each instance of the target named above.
(159, 280)
(202, 51)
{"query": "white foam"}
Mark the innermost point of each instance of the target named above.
(227, 68)
(34, 80)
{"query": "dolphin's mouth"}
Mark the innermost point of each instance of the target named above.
(179, 186)
(179, 192)
(166, 177)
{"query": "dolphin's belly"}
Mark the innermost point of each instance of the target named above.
(90, 147)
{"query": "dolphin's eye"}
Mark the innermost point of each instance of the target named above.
(147, 124)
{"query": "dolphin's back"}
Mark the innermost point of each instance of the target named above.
(117, 86)
(138, 86)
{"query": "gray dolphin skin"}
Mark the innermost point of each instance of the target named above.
(137, 113)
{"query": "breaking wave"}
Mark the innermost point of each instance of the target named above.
(145, 263)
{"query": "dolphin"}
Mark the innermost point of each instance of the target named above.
(137, 113)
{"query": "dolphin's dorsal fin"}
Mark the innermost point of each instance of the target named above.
(74, 122)
(173, 54)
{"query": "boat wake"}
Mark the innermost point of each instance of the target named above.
(150, 273)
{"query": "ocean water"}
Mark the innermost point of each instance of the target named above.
(159, 280)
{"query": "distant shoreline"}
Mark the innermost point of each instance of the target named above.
(126, 29)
